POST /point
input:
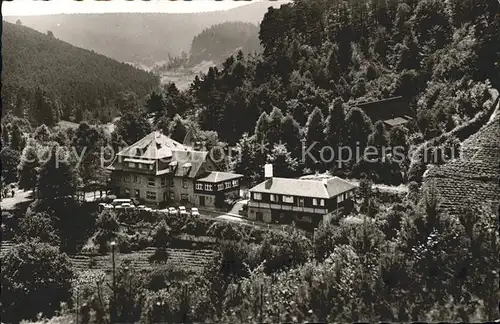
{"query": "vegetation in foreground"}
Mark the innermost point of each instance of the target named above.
(408, 261)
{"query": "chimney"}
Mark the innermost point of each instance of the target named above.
(268, 171)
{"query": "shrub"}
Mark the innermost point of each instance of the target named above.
(36, 278)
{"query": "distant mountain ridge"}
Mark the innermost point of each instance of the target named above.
(139, 37)
(220, 41)
(71, 80)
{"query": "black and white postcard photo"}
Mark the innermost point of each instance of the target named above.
(250, 161)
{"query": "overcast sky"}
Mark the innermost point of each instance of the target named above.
(37, 7)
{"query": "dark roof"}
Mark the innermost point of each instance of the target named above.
(217, 176)
(153, 146)
(472, 177)
(304, 188)
(190, 161)
(378, 103)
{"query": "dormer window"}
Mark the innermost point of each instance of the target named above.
(172, 165)
(186, 167)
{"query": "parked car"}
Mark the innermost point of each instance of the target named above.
(117, 202)
(128, 206)
(182, 210)
(109, 198)
(195, 212)
(103, 206)
(148, 209)
(172, 211)
(140, 207)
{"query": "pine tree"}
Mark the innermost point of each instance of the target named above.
(155, 103)
(335, 130)
(379, 138)
(177, 129)
(284, 164)
(275, 133)
(29, 166)
(42, 134)
(57, 178)
(291, 135)
(359, 126)
(6, 135)
(262, 128)
(17, 142)
(246, 159)
(132, 127)
(315, 138)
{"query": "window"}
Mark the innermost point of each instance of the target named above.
(184, 183)
(137, 193)
(140, 166)
(172, 183)
(136, 179)
(273, 197)
(199, 186)
(235, 183)
(172, 196)
(257, 196)
(131, 165)
(150, 167)
(228, 185)
(127, 178)
(163, 182)
(340, 198)
(208, 187)
(315, 202)
(184, 197)
(301, 202)
(220, 186)
(127, 192)
(151, 182)
(151, 195)
(288, 199)
(322, 202)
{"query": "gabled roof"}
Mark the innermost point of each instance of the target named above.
(153, 146)
(192, 159)
(217, 176)
(304, 188)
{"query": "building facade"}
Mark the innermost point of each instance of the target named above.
(157, 169)
(282, 200)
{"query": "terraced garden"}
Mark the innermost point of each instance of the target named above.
(188, 260)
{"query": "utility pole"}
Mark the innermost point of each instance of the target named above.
(113, 306)
(77, 302)
(261, 320)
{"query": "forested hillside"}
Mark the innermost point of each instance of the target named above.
(46, 79)
(220, 41)
(322, 57)
(144, 38)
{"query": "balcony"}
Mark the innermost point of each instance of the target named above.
(311, 210)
